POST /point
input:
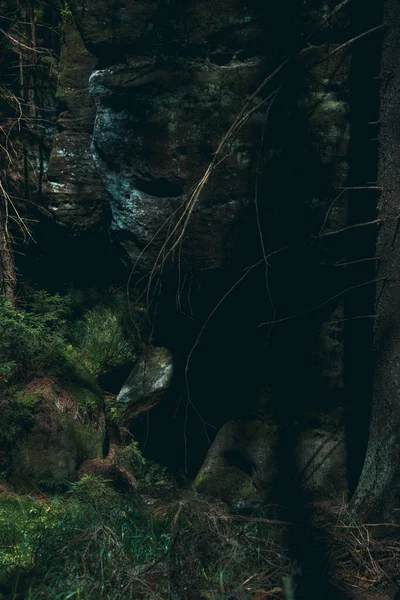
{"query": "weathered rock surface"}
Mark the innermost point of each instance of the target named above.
(150, 376)
(106, 24)
(76, 196)
(68, 428)
(168, 81)
(322, 464)
(242, 463)
(156, 129)
(220, 29)
(173, 78)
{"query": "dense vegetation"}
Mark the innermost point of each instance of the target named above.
(97, 543)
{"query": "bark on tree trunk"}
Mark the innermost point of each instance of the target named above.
(7, 264)
(378, 491)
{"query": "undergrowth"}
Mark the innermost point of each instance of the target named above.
(95, 543)
(46, 333)
(147, 473)
(70, 340)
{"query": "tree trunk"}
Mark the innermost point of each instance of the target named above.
(378, 491)
(7, 264)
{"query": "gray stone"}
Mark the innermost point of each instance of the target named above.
(150, 376)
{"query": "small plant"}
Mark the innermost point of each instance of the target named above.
(147, 473)
(288, 588)
(66, 15)
(22, 524)
(87, 544)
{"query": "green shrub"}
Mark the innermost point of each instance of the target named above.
(99, 340)
(49, 333)
(147, 473)
(31, 336)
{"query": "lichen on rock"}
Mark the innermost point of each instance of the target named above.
(156, 129)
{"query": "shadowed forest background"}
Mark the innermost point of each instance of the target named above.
(199, 299)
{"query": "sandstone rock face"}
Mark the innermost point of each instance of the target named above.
(172, 80)
(156, 129)
(225, 26)
(242, 463)
(75, 193)
(168, 81)
(150, 376)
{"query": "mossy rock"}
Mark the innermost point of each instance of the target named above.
(229, 484)
(67, 427)
(240, 463)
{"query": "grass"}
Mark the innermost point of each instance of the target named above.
(95, 543)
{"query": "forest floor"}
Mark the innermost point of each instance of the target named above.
(93, 542)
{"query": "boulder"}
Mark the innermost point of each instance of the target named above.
(221, 30)
(168, 81)
(67, 427)
(150, 377)
(242, 464)
(106, 23)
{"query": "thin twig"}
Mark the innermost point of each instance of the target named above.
(367, 223)
(314, 308)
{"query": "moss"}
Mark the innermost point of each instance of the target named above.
(43, 460)
(51, 429)
(49, 458)
(66, 15)
(90, 399)
(228, 484)
(87, 439)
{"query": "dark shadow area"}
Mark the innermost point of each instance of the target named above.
(58, 259)
(363, 164)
